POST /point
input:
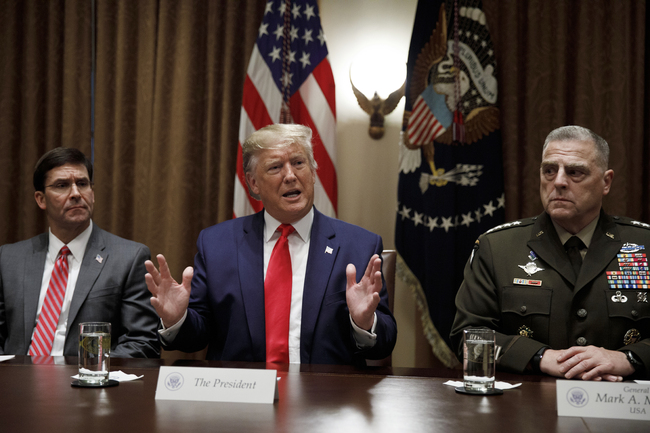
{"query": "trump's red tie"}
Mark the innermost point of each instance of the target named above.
(277, 298)
(51, 309)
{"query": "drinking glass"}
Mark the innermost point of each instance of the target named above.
(478, 360)
(94, 352)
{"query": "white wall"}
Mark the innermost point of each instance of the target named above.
(367, 169)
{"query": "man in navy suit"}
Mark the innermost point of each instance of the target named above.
(338, 315)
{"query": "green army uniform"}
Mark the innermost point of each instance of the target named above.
(519, 282)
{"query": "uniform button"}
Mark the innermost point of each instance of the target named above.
(582, 341)
(522, 308)
(635, 313)
(582, 313)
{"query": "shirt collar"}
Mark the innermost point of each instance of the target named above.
(302, 226)
(77, 246)
(585, 234)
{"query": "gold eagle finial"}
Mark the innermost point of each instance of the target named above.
(378, 108)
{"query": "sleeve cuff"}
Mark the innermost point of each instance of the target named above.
(167, 335)
(363, 338)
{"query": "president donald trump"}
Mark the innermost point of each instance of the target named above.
(287, 284)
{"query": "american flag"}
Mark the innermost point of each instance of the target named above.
(289, 80)
(423, 126)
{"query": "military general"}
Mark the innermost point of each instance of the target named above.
(566, 291)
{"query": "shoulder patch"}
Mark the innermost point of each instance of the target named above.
(519, 223)
(630, 222)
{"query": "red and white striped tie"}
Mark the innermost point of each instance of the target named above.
(51, 310)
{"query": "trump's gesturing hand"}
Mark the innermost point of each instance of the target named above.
(363, 297)
(170, 299)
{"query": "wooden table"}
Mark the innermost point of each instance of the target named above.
(39, 398)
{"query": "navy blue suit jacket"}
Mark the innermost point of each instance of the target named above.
(226, 309)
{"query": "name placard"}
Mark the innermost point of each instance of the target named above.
(234, 385)
(603, 400)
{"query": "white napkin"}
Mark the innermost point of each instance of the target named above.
(497, 385)
(6, 357)
(119, 375)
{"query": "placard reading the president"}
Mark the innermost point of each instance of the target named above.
(216, 384)
(603, 400)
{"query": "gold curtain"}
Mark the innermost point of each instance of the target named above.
(44, 99)
(566, 62)
(170, 76)
(168, 95)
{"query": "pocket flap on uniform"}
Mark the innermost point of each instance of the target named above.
(526, 300)
(631, 304)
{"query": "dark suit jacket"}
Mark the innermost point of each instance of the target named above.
(560, 311)
(111, 291)
(227, 302)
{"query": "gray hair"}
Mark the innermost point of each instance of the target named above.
(579, 133)
(276, 136)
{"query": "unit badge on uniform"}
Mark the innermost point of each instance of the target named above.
(631, 336)
(525, 331)
(629, 247)
(642, 297)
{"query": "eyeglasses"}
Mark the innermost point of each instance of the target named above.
(64, 187)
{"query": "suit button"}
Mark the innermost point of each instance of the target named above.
(581, 341)
(522, 308)
(582, 313)
(635, 313)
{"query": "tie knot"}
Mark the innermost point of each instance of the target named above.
(574, 242)
(64, 251)
(286, 230)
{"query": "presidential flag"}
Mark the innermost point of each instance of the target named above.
(450, 181)
(289, 80)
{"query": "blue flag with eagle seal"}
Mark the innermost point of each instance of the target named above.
(451, 177)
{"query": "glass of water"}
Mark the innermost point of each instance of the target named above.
(478, 360)
(94, 352)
